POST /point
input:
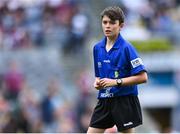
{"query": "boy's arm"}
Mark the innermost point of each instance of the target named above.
(135, 79)
(128, 81)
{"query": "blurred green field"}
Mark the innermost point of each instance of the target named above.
(152, 45)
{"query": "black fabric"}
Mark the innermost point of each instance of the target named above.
(124, 112)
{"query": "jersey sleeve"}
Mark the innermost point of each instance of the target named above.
(95, 56)
(136, 63)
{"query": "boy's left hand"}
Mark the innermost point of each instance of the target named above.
(106, 82)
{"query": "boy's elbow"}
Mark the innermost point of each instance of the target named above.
(145, 78)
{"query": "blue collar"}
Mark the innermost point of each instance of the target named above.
(117, 43)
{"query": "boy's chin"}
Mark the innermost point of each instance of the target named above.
(108, 35)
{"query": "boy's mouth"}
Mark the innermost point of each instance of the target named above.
(107, 31)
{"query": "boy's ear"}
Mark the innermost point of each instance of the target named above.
(122, 25)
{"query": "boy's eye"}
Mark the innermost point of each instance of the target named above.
(112, 22)
(104, 22)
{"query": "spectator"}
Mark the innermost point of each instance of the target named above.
(51, 106)
(78, 31)
(13, 79)
(29, 103)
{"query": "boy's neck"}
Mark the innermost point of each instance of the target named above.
(111, 40)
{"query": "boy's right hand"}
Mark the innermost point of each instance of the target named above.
(97, 84)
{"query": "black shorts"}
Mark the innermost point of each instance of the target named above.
(123, 111)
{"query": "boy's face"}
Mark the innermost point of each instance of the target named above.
(110, 28)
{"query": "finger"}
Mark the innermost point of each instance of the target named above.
(99, 88)
(102, 83)
(103, 79)
(97, 82)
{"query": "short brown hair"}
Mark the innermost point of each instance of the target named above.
(114, 13)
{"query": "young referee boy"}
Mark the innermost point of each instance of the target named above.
(118, 70)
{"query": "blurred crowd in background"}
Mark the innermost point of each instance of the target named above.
(62, 98)
(43, 23)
